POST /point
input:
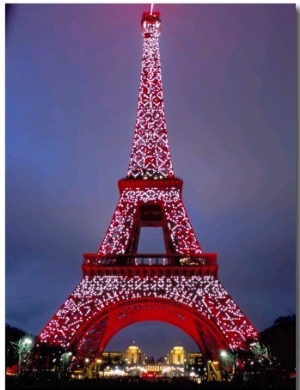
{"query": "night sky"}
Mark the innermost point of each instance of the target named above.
(72, 80)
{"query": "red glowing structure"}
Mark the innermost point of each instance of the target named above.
(120, 286)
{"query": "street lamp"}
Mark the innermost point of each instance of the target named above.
(24, 346)
(98, 367)
(228, 362)
(65, 359)
(87, 360)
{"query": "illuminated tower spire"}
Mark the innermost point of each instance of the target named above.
(121, 286)
(150, 195)
(150, 153)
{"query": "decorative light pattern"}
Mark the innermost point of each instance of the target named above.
(178, 227)
(93, 296)
(86, 317)
(150, 151)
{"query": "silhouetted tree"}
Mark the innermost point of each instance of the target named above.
(12, 335)
(281, 340)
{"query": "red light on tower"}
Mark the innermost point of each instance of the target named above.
(150, 24)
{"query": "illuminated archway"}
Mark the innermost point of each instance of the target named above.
(155, 338)
(92, 339)
(102, 305)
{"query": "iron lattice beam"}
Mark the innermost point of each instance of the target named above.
(97, 296)
(120, 286)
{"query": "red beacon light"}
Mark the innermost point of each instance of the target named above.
(150, 23)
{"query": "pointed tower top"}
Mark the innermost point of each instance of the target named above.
(150, 24)
(150, 154)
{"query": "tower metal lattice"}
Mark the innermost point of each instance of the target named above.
(120, 286)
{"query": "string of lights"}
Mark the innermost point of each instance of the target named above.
(205, 295)
(150, 195)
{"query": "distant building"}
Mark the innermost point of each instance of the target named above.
(178, 355)
(195, 359)
(133, 355)
(112, 357)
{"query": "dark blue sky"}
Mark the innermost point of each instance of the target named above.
(72, 79)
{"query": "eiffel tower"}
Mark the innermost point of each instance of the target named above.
(120, 286)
